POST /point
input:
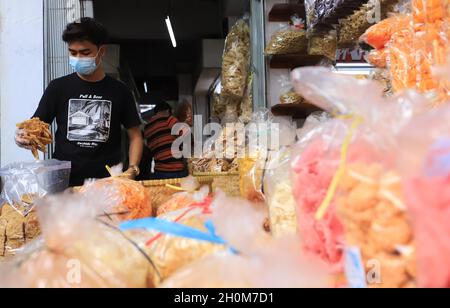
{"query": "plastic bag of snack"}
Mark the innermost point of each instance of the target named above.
(424, 164)
(289, 40)
(179, 238)
(252, 165)
(23, 183)
(326, 154)
(130, 199)
(278, 185)
(287, 93)
(323, 43)
(380, 34)
(378, 58)
(236, 60)
(16, 230)
(247, 102)
(77, 250)
(279, 264)
(183, 200)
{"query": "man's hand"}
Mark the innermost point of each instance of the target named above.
(22, 141)
(130, 174)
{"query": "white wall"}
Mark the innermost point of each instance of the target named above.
(21, 70)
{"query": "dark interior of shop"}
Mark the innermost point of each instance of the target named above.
(149, 64)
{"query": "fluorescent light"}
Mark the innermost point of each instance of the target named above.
(145, 87)
(171, 33)
(146, 108)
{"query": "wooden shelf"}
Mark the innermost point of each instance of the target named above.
(282, 12)
(297, 111)
(294, 60)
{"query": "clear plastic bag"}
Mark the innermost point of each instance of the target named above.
(289, 40)
(424, 150)
(129, 199)
(287, 93)
(378, 58)
(247, 102)
(323, 43)
(23, 183)
(344, 164)
(182, 237)
(183, 200)
(77, 250)
(236, 60)
(279, 264)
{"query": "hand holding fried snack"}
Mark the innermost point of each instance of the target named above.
(34, 135)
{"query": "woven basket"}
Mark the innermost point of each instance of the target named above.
(162, 190)
(227, 182)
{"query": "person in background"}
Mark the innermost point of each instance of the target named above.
(184, 113)
(90, 109)
(159, 139)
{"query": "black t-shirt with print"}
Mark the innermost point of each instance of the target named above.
(89, 116)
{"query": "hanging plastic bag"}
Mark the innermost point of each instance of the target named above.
(98, 254)
(236, 60)
(289, 40)
(380, 34)
(23, 183)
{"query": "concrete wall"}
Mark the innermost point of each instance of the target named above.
(21, 70)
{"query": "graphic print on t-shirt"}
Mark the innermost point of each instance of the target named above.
(89, 120)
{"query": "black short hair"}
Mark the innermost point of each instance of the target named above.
(86, 29)
(162, 106)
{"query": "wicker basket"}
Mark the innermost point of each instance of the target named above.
(227, 182)
(162, 190)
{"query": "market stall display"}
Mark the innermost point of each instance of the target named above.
(73, 237)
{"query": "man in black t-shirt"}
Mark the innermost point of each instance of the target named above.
(90, 108)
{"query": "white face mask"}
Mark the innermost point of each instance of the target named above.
(84, 66)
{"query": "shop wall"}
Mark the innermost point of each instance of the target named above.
(21, 70)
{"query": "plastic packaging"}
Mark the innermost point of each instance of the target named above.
(23, 183)
(277, 265)
(236, 60)
(378, 58)
(183, 200)
(322, 157)
(323, 43)
(130, 199)
(77, 250)
(247, 102)
(279, 194)
(380, 34)
(16, 230)
(371, 207)
(424, 164)
(191, 234)
(289, 40)
(287, 93)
